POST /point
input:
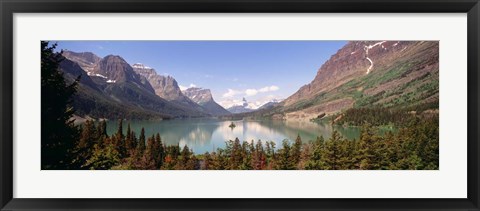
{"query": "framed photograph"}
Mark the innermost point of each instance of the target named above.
(252, 105)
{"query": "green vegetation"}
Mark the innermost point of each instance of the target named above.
(375, 116)
(413, 147)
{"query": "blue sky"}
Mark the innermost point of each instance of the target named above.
(257, 70)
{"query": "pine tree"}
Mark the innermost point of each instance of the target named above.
(104, 158)
(84, 147)
(284, 161)
(296, 151)
(159, 151)
(332, 155)
(147, 161)
(58, 134)
(208, 162)
(259, 156)
(236, 155)
(119, 141)
(101, 133)
(316, 161)
(185, 159)
(129, 140)
(141, 142)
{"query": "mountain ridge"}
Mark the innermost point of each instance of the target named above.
(204, 98)
(391, 74)
(110, 88)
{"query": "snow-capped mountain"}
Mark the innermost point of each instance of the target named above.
(243, 108)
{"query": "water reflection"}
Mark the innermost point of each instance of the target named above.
(204, 135)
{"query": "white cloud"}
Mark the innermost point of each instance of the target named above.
(230, 102)
(183, 88)
(269, 89)
(231, 93)
(251, 92)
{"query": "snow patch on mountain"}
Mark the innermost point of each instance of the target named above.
(366, 53)
(141, 66)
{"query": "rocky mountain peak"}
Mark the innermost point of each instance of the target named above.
(198, 95)
(85, 56)
(115, 69)
(165, 86)
(204, 98)
(86, 60)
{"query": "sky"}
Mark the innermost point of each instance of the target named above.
(260, 71)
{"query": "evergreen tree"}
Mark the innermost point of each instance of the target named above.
(104, 158)
(185, 158)
(129, 140)
(236, 158)
(296, 151)
(365, 155)
(316, 161)
(332, 155)
(159, 151)
(259, 156)
(58, 134)
(101, 132)
(284, 161)
(141, 142)
(119, 140)
(84, 147)
(148, 159)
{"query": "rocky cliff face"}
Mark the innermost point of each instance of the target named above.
(111, 88)
(373, 73)
(198, 95)
(165, 86)
(204, 98)
(86, 60)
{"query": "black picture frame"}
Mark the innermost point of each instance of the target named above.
(9, 7)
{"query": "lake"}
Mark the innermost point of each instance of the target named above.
(205, 135)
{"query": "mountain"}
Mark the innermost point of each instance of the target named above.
(90, 99)
(203, 97)
(166, 87)
(86, 60)
(112, 89)
(115, 69)
(237, 109)
(391, 74)
(269, 105)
